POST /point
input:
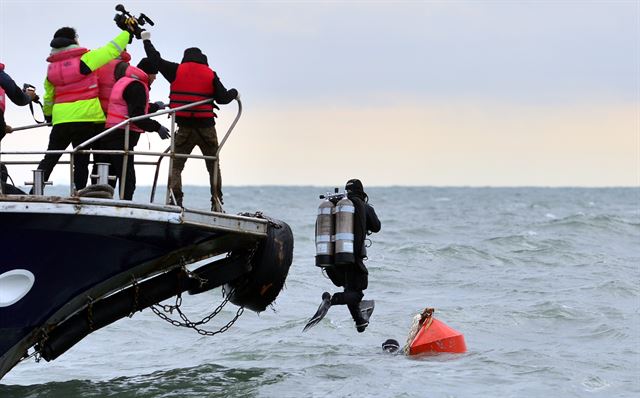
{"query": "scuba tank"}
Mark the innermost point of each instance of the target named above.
(344, 215)
(325, 229)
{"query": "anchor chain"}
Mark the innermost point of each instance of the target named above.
(187, 323)
(90, 313)
(161, 310)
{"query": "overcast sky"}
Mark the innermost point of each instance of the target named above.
(480, 93)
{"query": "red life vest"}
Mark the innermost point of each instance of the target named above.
(2, 99)
(64, 74)
(194, 82)
(118, 108)
(106, 79)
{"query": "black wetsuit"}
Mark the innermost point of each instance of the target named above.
(355, 277)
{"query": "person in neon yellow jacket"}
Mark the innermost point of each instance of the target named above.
(71, 100)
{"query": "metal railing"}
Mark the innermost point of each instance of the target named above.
(169, 152)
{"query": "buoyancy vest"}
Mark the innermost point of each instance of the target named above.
(118, 108)
(106, 79)
(193, 82)
(2, 97)
(64, 74)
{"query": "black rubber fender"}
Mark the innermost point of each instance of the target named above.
(269, 269)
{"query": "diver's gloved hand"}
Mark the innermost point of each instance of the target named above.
(163, 132)
(145, 35)
(160, 105)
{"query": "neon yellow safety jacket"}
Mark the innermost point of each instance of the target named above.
(84, 107)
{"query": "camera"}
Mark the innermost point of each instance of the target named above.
(126, 21)
(141, 20)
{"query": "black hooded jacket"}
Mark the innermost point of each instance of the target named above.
(366, 221)
(169, 69)
(15, 94)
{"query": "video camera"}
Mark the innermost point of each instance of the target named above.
(125, 18)
(334, 196)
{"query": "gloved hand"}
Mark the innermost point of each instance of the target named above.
(30, 91)
(8, 129)
(137, 32)
(163, 132)
(146, 35)
(160, 105)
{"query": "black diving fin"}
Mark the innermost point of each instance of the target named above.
(366, 308)
(320, 313)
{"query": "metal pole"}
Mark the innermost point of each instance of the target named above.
(123, 177)
(1, 184)
(173, 152)
(31, 126)
(216, 164)
(72, 186)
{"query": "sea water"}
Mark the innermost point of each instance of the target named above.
(544, 284)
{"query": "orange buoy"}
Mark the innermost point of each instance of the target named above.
(435, 336)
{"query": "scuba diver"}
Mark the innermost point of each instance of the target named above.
(352, 276)
(390, 346)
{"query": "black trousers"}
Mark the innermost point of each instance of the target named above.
(355, 281)
(61, 136)
(351, 298)
(8, 189)
(115, 141)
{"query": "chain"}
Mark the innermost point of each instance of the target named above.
(90, 313)
(162, 310)
(187, 323)
(136, 292)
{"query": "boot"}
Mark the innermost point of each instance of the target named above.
(216, 205)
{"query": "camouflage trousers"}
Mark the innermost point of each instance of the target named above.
(206, 139)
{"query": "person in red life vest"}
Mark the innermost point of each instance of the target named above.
(193, 80)
(130, 98)
(107, 78)
(71, 101)
(9, 88)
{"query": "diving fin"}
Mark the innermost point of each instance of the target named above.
(366, 308)
(320, 313)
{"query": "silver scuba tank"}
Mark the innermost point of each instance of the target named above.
(325, 229)
(344, 213)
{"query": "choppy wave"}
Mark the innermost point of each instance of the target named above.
(543, 283)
